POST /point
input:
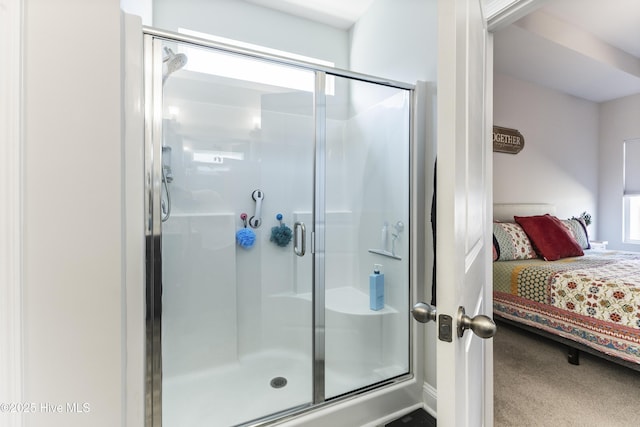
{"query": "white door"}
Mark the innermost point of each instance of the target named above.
(464, 377)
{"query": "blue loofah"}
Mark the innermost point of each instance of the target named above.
(245, 237)
(281, 235)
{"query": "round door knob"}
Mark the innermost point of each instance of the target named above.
(423, 312)
(481, 325)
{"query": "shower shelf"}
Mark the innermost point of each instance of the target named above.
(385, 253)
(199, 214)
(346, 300)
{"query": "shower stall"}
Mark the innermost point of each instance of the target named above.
(273, 188)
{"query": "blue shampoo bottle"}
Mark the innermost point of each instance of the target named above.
(376, 288)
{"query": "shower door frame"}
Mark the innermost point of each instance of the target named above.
(153, 94)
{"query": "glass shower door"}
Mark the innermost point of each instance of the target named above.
(238, 161)
(366, 212)
(281, 210)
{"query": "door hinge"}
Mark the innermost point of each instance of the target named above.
(313, 242)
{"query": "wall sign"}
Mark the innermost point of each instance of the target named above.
(507, 140)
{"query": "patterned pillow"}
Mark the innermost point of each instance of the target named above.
(511, 242)
(578, 230)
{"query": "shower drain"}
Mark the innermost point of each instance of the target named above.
(278, 382)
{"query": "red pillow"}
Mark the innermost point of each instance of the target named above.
(550, 238)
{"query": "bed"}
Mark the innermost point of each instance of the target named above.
(547, 280)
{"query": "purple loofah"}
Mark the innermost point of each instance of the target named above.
(246, 237)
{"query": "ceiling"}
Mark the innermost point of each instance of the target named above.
(337, 13)
(586, 48)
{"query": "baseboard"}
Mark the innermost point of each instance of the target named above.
(430, 399)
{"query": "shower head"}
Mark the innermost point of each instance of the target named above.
(172, 62)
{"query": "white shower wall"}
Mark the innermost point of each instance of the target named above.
(223, 302)
(380, 194)
(214, 299)
(199, 292)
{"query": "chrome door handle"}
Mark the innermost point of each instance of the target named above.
(423, 312)
(299, 226)
(481, 325)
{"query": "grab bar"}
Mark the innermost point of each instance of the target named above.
(299, 226)
(256, 220)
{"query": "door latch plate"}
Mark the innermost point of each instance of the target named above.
(445, 328)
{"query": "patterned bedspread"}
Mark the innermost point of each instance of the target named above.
(593, 299)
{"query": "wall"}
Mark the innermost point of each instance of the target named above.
(618, 122)
(559, 162)
(73, 212)
(405, 50)
(141, 8)
(11, 38)
(243, 21)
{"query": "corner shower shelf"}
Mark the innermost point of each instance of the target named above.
(199, 214)
(348, 300)
(385, 253)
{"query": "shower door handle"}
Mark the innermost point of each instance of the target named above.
(298, 228)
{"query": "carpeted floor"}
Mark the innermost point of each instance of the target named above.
(535, 386)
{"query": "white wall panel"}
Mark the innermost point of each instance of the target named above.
(73, 212)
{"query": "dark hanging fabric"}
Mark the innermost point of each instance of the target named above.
(433, 230)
